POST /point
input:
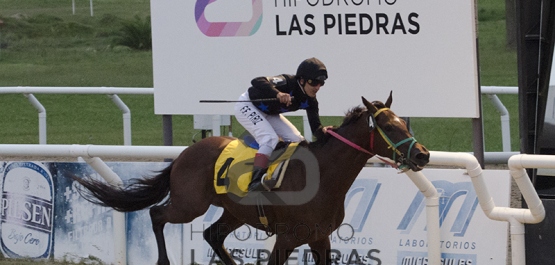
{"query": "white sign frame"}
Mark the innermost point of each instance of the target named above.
(427, 58)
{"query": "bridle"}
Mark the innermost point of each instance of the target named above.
(401, 163)
(394, 147)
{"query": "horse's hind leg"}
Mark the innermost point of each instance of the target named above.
(160, 215)
(158, 224)
(218, 231)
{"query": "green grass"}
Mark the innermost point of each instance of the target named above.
(498, 67)
(49, 46)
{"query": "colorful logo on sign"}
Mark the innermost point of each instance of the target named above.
(228, 29)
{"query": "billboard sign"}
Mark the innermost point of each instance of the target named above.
(424, 51)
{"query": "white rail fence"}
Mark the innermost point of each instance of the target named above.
(111, 92)
(490, 91)
(516, 217)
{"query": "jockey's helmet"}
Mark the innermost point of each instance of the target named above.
(312, 68)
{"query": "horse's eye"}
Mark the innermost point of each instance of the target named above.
(388, 128)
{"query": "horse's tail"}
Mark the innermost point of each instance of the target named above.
(137, 195)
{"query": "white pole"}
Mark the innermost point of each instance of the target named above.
(518, 248)
(216, 123)
(126, 118)
(118, 218)
(42, 117)
(306, 129)
(432, 215)
(432, 212)
(513, 90)
(73, 6)
(91, 8)
(505, 122)
(517, 164)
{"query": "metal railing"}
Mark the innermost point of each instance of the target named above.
(112, 92)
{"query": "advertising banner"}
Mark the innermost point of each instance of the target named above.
(385, 223)
(43, 216)
(423, 51)
(27, 217)
(84, 229)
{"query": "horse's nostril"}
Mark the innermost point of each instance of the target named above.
(423, 157)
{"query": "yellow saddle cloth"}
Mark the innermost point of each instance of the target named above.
(233, 170)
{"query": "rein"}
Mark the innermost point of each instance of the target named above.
(359, 148)
(403, 167)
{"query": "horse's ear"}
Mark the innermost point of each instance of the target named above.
(389, 99)
(369, 106)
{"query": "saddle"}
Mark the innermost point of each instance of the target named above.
(233, 168)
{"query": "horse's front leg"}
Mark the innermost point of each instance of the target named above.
(321, 251)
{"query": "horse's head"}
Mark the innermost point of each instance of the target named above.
(391, 138)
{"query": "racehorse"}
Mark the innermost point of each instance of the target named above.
(340, 155)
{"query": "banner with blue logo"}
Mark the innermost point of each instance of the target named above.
(44, 217)
(385, 223)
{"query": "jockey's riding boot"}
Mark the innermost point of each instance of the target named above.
(259, 171)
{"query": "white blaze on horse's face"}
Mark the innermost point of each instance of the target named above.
(371, 122)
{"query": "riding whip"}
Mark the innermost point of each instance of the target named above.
(232, 101)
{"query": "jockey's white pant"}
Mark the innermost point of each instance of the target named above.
(266, 129)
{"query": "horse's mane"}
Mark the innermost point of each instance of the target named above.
(351, 116)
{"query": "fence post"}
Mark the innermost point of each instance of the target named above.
(126, 118)
(42, 117)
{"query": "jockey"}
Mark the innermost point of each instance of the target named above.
(263, 119)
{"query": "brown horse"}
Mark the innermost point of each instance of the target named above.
(189, 181)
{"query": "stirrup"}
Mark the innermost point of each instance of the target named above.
(258, 185)
(268, 184)
(255, 185)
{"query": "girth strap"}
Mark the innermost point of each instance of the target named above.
(262, 217)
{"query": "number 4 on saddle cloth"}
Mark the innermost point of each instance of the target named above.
(233, 169)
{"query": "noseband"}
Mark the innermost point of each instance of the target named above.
(403, 166)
